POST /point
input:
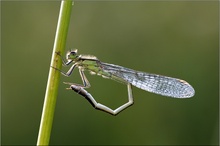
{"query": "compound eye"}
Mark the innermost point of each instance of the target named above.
(73, 53)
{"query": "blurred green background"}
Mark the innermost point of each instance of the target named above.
(177, 39)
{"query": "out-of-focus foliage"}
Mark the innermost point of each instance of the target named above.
(178, 39)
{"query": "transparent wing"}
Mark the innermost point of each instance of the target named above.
(158, 84)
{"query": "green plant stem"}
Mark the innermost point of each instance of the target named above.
(54, 76)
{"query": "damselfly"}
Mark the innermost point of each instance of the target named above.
(166, 86)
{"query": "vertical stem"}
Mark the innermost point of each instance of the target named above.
(54, 76)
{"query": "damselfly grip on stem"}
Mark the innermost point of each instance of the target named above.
(166, 86)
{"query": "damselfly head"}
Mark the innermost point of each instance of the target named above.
(71, 55)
